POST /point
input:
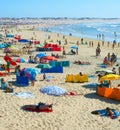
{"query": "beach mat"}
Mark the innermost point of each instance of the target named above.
(32, 108)
(24, 95)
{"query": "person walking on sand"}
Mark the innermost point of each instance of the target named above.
(77, 51)
(8, 67)
(119, 70)
(32, 78)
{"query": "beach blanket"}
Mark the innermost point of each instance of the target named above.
(24, 95)
(32, 108)
(50, 78)
(101, 65)
(103, 113)
(83, 63)
(91, 76)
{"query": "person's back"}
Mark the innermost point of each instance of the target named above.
(5, 85)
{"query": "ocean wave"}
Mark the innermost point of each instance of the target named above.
(102, 30)
(89, 29)
(114, 25)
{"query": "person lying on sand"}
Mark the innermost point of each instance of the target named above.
(81, 62)
(112, 113)
(72, 93)
(109, 112)
(44, 106)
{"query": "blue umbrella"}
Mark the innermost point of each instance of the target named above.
(30, 71)
(53, 90)
(40, 55)
(74, 47)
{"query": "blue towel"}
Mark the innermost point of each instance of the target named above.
(103, 112)
(24, 95)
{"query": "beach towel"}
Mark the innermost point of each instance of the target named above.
(91, 76)
(24, 95)
(103, 113)
(32, 108)
(101, 65)
(50, 78)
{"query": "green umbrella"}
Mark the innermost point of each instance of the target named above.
(45, 66)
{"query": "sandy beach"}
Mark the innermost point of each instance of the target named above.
(69, 112)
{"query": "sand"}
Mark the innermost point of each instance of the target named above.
(69, 112)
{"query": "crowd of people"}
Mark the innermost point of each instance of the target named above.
(110, 59)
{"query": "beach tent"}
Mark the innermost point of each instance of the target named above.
(22, 80)
(112, 93)
(53, 90)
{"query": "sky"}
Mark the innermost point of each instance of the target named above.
(60, 8)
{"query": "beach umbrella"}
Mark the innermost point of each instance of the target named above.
(49, 58)
(110, 77)
(40, 55)
(13, 63)
(7, 58)
(19, 60)
(45, 66)
(53, 90)
(74, 47)
(2, 46)
(31, 70)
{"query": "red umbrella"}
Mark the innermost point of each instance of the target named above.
(7, 58)
(13, 63)
(49, 58)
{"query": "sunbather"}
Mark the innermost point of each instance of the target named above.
(81, 63)
(109, 112)
(44, 106)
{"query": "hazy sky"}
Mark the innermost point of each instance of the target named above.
(60, 8)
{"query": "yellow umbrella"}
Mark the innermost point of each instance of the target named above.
(110, 77)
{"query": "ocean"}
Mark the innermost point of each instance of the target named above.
(107, 31)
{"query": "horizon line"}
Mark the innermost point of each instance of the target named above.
(56, 18)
